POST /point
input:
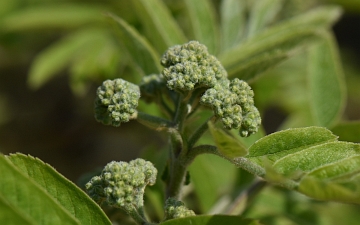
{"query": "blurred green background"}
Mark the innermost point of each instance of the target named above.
(54, 121)
(54, 55)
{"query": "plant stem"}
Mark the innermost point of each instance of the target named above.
(181, 111)
(137, 217)
(248, 166)
(239, 162)
(198, 133)
(194, 100)
(177, 170)
(153, 122)
(177, 178)
(201, 149)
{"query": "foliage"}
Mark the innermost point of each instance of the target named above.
(30, 187)
(278, 52)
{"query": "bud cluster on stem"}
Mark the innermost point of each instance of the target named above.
(191, 78)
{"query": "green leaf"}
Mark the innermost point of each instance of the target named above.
(325, 190)
(56, 57)
(325, 79)
(310, 158)
(226, 144)
(161, 28)
(316, 99)
(212, 220)
(348, 131)
(27, 182)
(274, 45)
(63, 16)
(311, 161)
(262, 14)
(142, 53)
(10, 215)
(203, 23)
(281, 143)
(233, 22)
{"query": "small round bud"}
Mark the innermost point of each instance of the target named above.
(116, 102)
(252, 121)
(120, 183)
(233, 102)
(190, 66)
(176, 209)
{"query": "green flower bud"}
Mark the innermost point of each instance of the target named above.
(176, 209)
(233, 102)
(122, 184)
(116, 102)
(190, 66)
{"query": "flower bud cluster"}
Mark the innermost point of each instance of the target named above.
(190, 66)
(233, 102)
(116, 102)
(176, 209)
(122, 184)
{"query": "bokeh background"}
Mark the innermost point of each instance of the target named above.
(55, 121)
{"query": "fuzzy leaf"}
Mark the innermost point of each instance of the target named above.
(212, 220)
(203, 23)
(233, 22)
(325, 79)
(27, 182)
(310, 158)
(66, 16)
(327, 190)
(311, 161)
(142, 53)
(161, 28)
(288, 141)
(277, 43)
(226, 144)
